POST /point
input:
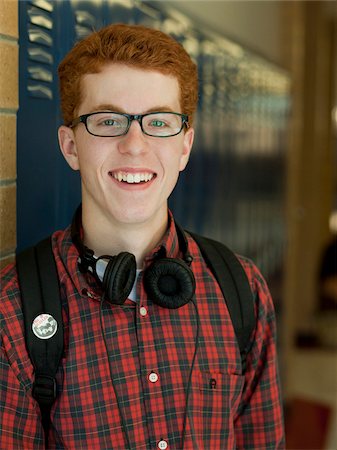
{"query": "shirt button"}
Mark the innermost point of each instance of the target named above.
(162, 445)
(153, 377)
(143, 311)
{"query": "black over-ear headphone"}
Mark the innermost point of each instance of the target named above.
(169, 282)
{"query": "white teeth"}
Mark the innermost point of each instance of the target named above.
(133, 177)
(130, 178)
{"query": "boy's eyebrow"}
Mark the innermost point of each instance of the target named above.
(111, 107)
(161, 109)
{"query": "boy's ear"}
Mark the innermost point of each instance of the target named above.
(68, 146)
(188, 142)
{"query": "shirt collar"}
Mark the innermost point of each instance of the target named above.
(169, 245)
(69, 256)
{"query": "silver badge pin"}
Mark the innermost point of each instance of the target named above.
(44, 326)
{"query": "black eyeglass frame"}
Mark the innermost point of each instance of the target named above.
(131, 117)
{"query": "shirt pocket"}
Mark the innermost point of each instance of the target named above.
(214, 399)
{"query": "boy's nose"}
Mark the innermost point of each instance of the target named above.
(134, 141)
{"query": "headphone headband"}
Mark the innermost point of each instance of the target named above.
(86, 254)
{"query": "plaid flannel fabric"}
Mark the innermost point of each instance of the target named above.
(124, 376)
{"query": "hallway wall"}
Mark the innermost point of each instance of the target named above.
(8, 108)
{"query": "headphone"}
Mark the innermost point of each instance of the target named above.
(169, 282)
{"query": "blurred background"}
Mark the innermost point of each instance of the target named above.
(262, 177)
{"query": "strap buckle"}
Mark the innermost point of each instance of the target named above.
(44, 389)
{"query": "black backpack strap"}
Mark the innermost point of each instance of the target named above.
(234, 285)
(40, 294)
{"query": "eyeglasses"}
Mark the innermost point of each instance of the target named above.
(112, 124)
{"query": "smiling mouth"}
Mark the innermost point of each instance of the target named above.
(132, 178)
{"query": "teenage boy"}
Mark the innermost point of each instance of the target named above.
(141, 372)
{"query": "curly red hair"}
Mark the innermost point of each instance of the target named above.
(133, 45)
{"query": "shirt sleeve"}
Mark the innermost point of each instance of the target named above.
(19, 421)
(259, 421)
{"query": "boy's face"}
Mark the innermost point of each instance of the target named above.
(102, 160)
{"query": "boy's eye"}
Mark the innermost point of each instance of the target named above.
(158, 123)
(108, 122)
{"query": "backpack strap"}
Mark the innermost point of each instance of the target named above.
(40, 295)
(235, 287)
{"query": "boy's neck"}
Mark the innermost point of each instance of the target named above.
(110, 238)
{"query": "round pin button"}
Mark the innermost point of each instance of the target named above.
(143, 311)
(162, 445)
(44, 326)
(153, 377)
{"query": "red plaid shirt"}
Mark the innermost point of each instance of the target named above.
(150, 349)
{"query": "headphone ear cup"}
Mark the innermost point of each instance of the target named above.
(169, 283)
(119, 276)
